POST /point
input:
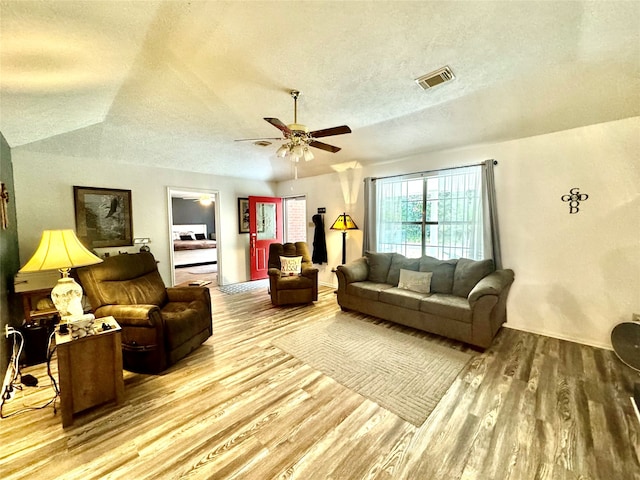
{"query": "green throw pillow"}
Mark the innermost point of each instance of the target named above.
(400, 262)
(379, 264)
(443, 270)
(468, 273)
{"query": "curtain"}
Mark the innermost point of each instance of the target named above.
(492, 246)
(369, 240)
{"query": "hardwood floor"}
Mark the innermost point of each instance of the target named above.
(530, 407)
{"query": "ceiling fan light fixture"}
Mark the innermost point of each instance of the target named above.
(297, 151)
(308, 154)
(282, 151)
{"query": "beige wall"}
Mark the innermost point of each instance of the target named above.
(44, 200)
(576, 275)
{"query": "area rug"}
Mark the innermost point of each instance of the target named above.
(244, 286)
(406, 374)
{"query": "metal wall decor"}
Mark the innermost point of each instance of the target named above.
(574, 198)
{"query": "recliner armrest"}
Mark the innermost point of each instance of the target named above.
(188, 294)
(131, 315)
(274, 272)
(493, 284)
(309, 272)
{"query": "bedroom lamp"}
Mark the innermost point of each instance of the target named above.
(61, 250)
(343, 223)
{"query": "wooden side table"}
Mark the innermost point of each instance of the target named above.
(90, 369)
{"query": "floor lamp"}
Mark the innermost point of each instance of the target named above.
(344, 223)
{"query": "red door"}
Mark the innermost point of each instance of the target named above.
(265, 228)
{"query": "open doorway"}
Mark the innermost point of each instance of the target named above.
(194, 230)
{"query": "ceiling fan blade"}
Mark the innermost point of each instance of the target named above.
(261, 138)
(324, 146)
(279, 125)
(327, 132)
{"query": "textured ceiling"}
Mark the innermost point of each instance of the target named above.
(172, 84)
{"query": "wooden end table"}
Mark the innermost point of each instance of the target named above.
(90, 369)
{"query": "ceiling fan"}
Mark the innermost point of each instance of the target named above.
(298, 136)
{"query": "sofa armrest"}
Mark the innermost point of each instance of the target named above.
(188, 294)
(493, 284)
(355, 271)
(132, 315)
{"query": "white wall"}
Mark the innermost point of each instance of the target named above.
(576, 275)
(44, 200)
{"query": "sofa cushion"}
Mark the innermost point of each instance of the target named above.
(447, 306)
(379, 264)
(366, 290)
(401, 298)
(468, 273)
(415, 281)
(296, 282)
(400, 262)
(443, 272)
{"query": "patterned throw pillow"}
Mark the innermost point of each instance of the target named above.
(419, 282)
(290, 266)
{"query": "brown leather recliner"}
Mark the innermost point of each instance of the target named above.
(159, 325)
(301, 288)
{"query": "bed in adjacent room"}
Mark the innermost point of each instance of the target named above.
(191, 246)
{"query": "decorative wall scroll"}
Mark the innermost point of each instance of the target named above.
(4, 209)
(574, 198)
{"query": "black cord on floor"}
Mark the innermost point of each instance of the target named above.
(54, 385)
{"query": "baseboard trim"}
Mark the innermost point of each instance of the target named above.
(582, 341)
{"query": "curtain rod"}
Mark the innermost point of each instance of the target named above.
(495, 162)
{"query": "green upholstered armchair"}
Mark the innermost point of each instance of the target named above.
(301, 288)
(159, 325)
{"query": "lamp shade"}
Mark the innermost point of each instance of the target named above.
(344, 222)
(59, 250)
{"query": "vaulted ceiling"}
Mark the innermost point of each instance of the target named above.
(174, 83)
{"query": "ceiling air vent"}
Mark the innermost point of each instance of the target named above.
(432, 79)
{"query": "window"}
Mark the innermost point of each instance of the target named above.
(439, 214)
(295, 219)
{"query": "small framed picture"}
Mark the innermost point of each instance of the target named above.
(243, 215)
(103, 216)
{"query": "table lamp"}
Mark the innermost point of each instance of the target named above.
(61, 250)
(344, 223)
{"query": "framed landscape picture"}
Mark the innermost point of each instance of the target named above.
(103, 216)
(243, 215)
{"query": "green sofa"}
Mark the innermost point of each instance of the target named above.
(466, 299)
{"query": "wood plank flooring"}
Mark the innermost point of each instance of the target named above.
(530, 407)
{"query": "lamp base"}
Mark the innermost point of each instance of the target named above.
(67, 297)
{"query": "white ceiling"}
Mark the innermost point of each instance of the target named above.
(172, 84)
